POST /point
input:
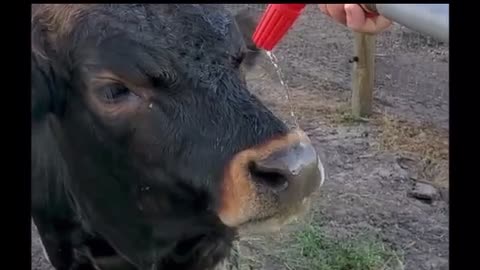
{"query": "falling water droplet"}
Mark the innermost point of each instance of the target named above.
(274, 61)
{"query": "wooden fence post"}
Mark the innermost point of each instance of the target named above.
(363, 74)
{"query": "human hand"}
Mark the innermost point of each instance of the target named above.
(355, 17)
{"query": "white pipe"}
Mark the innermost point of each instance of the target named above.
(429, 19)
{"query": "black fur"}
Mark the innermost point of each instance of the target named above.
(144, 186)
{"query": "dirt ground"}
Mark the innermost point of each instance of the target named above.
(373, 165)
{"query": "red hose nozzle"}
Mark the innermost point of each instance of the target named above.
(275, 23)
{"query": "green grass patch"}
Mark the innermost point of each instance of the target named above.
(313, 250)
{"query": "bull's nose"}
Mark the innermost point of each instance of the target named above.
(293, 172)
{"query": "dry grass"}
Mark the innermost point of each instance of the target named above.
(424, 143)
(401, 136)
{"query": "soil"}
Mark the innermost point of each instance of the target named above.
(373, 165)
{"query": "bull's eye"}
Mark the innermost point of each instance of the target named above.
(164, 79)
(115, 93)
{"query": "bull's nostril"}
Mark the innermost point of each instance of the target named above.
(293, 172)
(272, 179)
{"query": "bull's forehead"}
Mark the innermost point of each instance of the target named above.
(210, 25)
(204, 38)
(200, 39)
(173, 23)
(216, 17)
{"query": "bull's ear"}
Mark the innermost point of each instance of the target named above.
(47, 104)
(47, 89)
(41, 89)
(247, 21)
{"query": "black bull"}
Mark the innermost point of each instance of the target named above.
(148, 150)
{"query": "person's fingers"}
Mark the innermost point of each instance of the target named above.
(323, 8)
(357, 21)
(355, 17)
(337, 12)
(382, 23)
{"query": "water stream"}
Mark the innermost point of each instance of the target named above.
(274, 61)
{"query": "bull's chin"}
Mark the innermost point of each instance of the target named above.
(274, 223)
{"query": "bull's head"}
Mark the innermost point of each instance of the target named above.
(142, 116)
